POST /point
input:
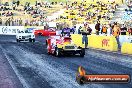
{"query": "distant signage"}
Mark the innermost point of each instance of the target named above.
(6, 30)
(83, 78)
(10, 30)
(105, 42)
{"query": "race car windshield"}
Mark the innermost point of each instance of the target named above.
(28, 31)
(21, 32)
(51, 29)
(24, 31)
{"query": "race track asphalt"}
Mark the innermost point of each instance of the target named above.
(36, 69)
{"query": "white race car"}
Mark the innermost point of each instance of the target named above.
(25, 36)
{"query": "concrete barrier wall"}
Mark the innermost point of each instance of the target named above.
(103, 42)
(126, 48)
(99, 42)
(77, 39)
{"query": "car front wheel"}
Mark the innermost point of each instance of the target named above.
(57, 52)
(17, 40)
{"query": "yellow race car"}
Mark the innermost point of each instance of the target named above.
(59, 46)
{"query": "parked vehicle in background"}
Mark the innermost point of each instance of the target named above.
(46, 32)
(50, 30)
(25, 36)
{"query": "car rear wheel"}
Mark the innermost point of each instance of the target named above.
(82, 53)
(40, 34)
(33, 40)
(46, 43)
(48, 51)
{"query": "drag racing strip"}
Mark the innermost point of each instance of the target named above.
(36, 69)
(57, 62)
(57, 74)
(25, 85)
(41, 67)
(8, 78)
(53, 72)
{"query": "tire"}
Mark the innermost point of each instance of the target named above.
(33, 40)
(48, 51)
(17, 40)
(40, 34)
(57, 52)
(30, 40)
(82, 53)
(46, 43)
